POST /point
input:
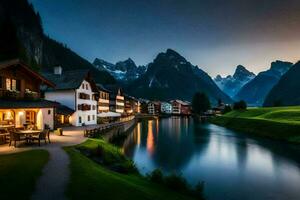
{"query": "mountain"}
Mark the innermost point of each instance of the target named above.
(232, 84)
(22, 36)
(171, 76)
(124, 70)
(255, 91)
(286, 91)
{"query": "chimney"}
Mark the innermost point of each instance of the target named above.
(58, 70)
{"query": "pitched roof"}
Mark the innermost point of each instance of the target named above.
(9, 104)
(64, 110)
(71, 79)
(102, 88)
(19, 63)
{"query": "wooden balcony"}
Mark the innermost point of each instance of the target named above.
(17, 95)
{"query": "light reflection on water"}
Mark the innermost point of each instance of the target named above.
(233, 165)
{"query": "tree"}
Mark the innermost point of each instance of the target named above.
(240, 105)
(200, 103)
(227, 109)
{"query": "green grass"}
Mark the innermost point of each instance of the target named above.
(19, 172)
(281, 123)
(90, 180)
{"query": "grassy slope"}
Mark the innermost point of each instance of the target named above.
(90, 180)
(279, 123)
(19, 173)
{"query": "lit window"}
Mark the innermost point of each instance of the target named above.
(49, 112)
(13, 84)
(8, 84)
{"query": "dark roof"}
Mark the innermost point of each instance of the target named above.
(19, 63)
(7, 104)
(114, 89)
(102, 88)
(64, 110)
(71, 79)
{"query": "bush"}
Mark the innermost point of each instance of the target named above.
(227, 109)
(240, 105)
(176, 182)
(156, 176)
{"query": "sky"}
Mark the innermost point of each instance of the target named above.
(216, 35)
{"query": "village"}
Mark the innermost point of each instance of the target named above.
(57, 99)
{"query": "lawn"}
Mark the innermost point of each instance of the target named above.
(19, 173)
(281, 123)
(90, 180)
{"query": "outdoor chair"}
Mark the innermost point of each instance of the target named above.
(15, 137)
(41, 136)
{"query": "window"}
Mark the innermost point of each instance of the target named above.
(87, 86)
(89, 118)
(93, 117)
(94, 107)
(8, 84)
(13, 84)
(49, 112)
(82, 86)
(79, 120)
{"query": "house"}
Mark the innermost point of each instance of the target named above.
(166, 108)
(116, 99)
(103, 99)
(180, 107)
(20, 97)
(132, 105)
(154, 107)
(75, 90)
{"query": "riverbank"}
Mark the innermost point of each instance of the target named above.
(280, 123)
(96, 168)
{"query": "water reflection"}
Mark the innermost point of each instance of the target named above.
(233, 165)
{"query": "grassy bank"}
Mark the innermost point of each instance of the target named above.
(282, 123)
(19, 173)
(93, 180)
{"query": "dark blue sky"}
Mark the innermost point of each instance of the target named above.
(216, 35)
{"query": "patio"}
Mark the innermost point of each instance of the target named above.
(72, 136)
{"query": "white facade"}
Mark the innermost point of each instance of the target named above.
(85, 108)
(166, 108)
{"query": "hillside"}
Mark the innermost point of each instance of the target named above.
(286, 91)
(171, 76)
(22, 36)
(256, 90)
(281, 123)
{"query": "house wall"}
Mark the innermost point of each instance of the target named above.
(44, 117)
(85, 114)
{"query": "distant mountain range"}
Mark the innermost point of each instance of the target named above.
(232, 84)
(123, 71)
(286, 91)
(22, 36)
(171, 76)
(256, 90)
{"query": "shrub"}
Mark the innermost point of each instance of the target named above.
(156, 176)
(227, 109)
(240, 105)
(176, 182)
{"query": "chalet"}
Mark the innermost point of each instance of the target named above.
(181, 107)
(132, 105)
(20, 97)
(116, 99)
(154, 107)
(103, 99)
(76, 91)
(166, 108)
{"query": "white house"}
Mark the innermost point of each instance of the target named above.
(154, 107)
(75, 90)
(166, 108)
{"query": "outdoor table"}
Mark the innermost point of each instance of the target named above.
(29, 133)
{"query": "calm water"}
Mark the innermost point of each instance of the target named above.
(233, 165)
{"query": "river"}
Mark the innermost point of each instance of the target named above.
(233, 165)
